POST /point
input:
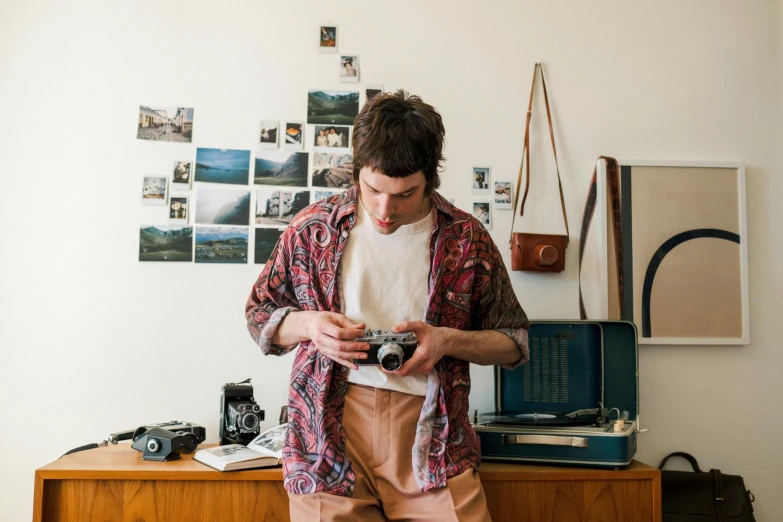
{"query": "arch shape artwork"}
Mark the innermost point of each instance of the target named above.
(660, 254)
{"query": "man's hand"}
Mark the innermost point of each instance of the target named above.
(433, 345)
(331, 334)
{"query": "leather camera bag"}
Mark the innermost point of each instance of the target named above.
(537, 252)
(703, 497)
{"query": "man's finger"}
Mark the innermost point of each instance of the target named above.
(346, 359)
(337, 345)
(407, 326)
(349, 364)
(411, 364)
(334, 331)
(343, 321)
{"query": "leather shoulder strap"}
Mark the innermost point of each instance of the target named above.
(525, 163)
(613, 181)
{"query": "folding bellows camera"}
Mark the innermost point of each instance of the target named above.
(240, 416)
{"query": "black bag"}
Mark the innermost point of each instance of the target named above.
(703, 497)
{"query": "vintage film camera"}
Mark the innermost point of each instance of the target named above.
(240, 416)
(161, 441)
(164, 441)
(387, 348)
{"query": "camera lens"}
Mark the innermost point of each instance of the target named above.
(249, 421)
(190, 441)
(153, 445)
(391, 356)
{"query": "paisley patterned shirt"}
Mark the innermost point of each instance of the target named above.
(469, 289)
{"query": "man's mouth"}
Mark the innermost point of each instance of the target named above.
(384, 224)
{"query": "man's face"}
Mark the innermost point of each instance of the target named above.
(393, 202)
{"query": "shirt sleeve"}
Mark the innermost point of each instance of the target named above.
(272, 297)
(498, 307)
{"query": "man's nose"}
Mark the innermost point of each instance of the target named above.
(385, 210)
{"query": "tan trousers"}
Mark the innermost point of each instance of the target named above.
(380, 427)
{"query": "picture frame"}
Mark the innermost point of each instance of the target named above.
(683, 227)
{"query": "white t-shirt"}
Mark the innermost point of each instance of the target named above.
(386, 281)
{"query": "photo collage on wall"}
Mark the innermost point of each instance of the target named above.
(232, 205)
(488, 194)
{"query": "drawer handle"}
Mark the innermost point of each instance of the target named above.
(546, 440)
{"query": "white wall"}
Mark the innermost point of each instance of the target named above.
(92, 341)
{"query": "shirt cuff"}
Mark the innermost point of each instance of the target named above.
(519, 336)
(269, 330)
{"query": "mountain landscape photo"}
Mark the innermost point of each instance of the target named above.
(336, 107)
(166, 243)
(281, 168)
(221, 245)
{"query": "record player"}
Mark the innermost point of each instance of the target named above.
(576, 402)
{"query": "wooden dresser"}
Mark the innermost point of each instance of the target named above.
(114, 484)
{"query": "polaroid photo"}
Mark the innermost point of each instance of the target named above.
(327, 39)
(481, 181)
(481, 211)
(332, 138)
(502, 195)
(265, 241)
(291, 202)
(222, 245)
(318, 195)
(154, 190)
(281, 167)
(269, 131)
(332, 107)
(371, 90)
(222, 206)
(165, 124)
(178, 208)
(222, 166)
(294, 135)
(332, 170)
(349, 68)
(181, 176)
(165, 243)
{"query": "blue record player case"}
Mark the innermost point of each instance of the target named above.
(576, 401)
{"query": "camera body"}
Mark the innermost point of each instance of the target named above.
(240, 416)
(387, 348)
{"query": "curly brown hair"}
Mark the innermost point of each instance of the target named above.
(398, 135)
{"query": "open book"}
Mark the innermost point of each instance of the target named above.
(264, 451)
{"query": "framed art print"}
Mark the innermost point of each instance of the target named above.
(681, 252)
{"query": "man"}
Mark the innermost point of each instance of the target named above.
(332, 138)
(364, 443)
